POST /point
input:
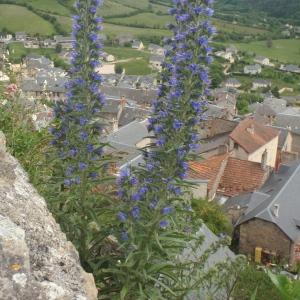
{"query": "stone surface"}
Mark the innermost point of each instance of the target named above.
(36, 260)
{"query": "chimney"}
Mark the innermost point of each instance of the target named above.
(264, 159)
(276, 210)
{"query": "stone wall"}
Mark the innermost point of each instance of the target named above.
(36, 260)
(260, 233)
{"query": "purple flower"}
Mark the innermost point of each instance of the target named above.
(167, 210)
(122, 216)
(133, 180)
(93, 175)
(164, 224)
(177, 124)
(124, 236)
(135, 212)
(82, 166)
(67, 182)
(83, 135)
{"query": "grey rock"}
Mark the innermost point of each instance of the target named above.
(37, 262)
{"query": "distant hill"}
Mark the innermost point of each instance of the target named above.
(287, 9)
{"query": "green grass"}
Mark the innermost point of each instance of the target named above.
(112, 8)
(125, 53)
(116, 30)
(144, 19)
(17, 51)
(286, 51)
(139, 60)
(18, 18)
(137, 67)
(224, 26)
(51, 6)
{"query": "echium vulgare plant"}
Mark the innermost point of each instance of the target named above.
(76, 129)
(156, 217)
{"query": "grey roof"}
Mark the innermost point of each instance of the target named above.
(154, 47)
(157, 58)
(291, 68)
(140, 96)
(281, 191)
(221, 255)
(136, 43)
(290, 118)
(232, 81)
(47, 85)
(131, 112)
(38, 62)
(253, 67)
(269, 107)
(130, 134)
(262, 81)
(123, 142)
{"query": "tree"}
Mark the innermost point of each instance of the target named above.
(269, 43)
(58, 48)
(118, 69)
(275, 91)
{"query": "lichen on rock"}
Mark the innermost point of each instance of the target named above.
(36, 259)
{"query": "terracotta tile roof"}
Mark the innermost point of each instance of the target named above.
(241, 176)
(251, 135)
(207, 169)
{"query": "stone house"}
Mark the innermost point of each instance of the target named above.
(226, 101)
(33, 63)
(267, 221)
(252, 69)
(290, 68)
(260, 83)
(156, 49)
(226, 55)
(126, 143)
(262, 60)
(267, 111)
(32, 44)
(65, 41)
(156, 62)
(289, 118)
(48, 43)
(232, 49)
(225, 176)
(255, 142)
(138, 45)
(232, 83)
(5, 38)
(21, 36)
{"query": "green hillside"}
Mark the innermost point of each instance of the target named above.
(18, 18)
(288, 9)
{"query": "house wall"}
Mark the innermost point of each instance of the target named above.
(260, 233)
(295, 257)
(238, 151)
(295, 147)
(271, 148)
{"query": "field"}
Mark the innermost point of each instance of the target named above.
(18, 18)
(17, 51)
(52, 6)
(286, 51)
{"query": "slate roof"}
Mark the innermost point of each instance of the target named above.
(140, 96)
(221, 255)
(124, 142)
(281, 191)
(290, 118)
(232, 81)
(251, 135)
(269, 107)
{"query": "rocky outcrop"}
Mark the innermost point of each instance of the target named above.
(36, 260)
